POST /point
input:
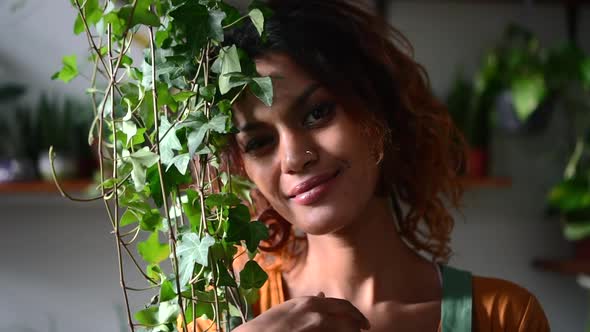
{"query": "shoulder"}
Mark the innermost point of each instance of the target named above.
(505, 306)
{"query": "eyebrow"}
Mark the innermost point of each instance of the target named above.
(299, 100)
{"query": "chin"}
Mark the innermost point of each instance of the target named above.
(322, 222)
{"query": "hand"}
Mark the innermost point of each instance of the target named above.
(309, 314)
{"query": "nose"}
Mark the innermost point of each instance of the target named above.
(298, 153)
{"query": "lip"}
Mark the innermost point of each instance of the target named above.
(311, 190)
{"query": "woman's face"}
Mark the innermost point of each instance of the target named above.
(306, 154)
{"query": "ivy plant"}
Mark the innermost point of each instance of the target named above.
(160, 126)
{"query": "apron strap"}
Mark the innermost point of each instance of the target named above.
(457, 300)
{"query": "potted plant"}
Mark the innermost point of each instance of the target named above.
(16, 143)
(568, 75)
(63, 125)
(508, 90)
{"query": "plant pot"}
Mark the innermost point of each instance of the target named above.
(582, 249)
(16, 169)
(477, 162)
(65, 167)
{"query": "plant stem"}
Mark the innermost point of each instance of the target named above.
(171, 237)
(116, 192)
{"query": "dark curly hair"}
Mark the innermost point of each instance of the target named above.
(353, 52)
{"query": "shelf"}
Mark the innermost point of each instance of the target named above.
(486, 182)
(570, 266)
(44, 186)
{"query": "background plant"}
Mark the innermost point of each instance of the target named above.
(160, 126)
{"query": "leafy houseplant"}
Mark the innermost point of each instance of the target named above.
(161, 127)
(570, 198)
(510, 82)
(63, 125)
(16, 149)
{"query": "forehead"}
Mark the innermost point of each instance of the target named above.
(289, 82)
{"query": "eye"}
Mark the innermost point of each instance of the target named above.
(318, 113)
(256, 143)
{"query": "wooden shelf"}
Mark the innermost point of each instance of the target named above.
(44, 186)
(486, 182)
(570, 266)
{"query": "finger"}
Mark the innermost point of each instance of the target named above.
(336, 306)
(337, 323)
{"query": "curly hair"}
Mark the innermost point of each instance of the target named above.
(353, 52)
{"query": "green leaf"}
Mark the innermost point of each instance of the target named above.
(128, 218)
(165, 312)
(151, 220)
(141, 160)
(192, 209)
(527, 93)
(191, 17)
(225, 199)
(152, 250)
(141, 15)
(168, 141)
(193, 250)
(576, 231)
(208, 92)
(181, 162)
(258, 232)
(92, 13)
(167, 292)
(262, 88)
(183, 96)
(224, 278)
(257, 19)
(230, 63)
(69, 70)
(215, 27)
(172, 179)
(252, 276)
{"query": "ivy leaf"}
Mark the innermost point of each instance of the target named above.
(172, 179)
(262, 88)
(168, 141)
(165, 312)
(189, 16)
(141, 15)
(183, 96)
(192, 209)
(92, 13)
(167, 291)
(240, 186)
(69, 70)
(225, 199)
(257, 19)
(258, 232)
(199, 127)
(193, 250)
(215, 26)
(152, 250)
(230, 63)
(128, 218)
(224, 278)
(141, 160)
(181, 162)
(252, 276)
(151, 221)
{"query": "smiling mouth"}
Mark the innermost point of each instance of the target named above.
(316, 192)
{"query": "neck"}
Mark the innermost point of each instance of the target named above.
(367, 261)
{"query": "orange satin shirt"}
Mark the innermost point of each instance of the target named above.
(498, 306)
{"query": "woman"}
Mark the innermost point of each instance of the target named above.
(359, 157)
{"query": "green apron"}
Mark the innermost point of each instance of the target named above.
(457, 300)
